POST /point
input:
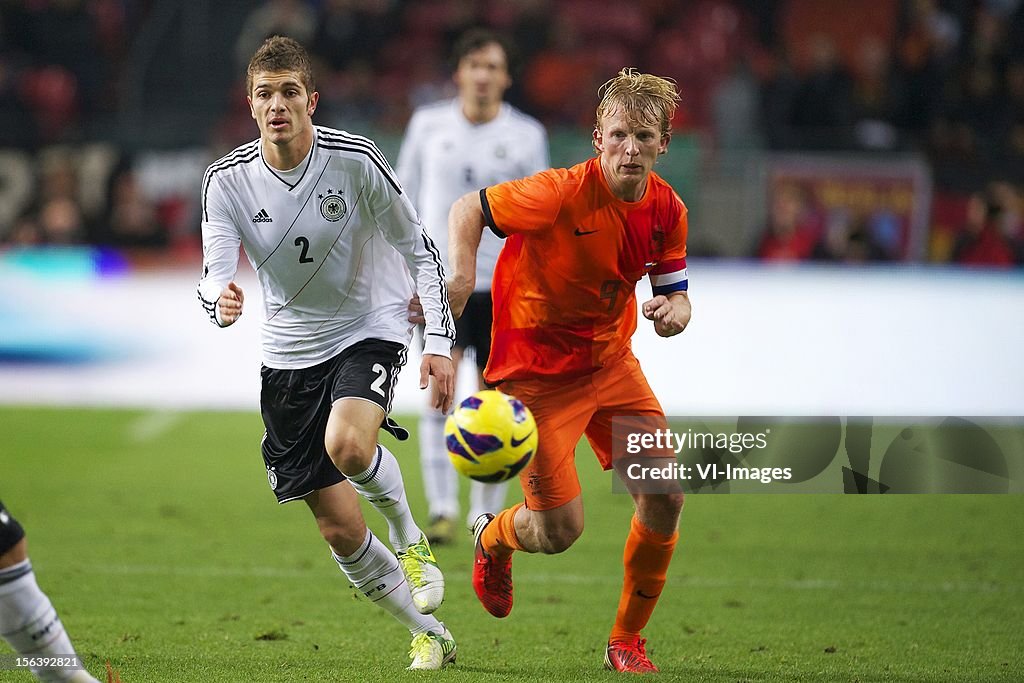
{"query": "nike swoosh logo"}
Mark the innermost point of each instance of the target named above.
(645, 596)
(580, 233)
(516, 443)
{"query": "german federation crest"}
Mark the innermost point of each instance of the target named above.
(332, 206)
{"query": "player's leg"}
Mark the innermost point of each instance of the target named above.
(351, 442)
(653, 534)
(374, 473)
(28, 620)
(483, 497)
(552, 517)
(374, 570)
(363, 387)
(440, 481)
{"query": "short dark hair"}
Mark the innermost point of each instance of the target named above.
(280, 53)
(476, 38)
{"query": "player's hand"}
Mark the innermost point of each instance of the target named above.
(671, 314)
(459, 290)
(229, 304)
(415, 310)
(442, 391)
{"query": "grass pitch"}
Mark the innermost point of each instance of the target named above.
(161, 545)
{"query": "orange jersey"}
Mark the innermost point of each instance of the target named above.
(564, 288)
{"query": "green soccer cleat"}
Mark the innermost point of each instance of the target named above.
(426, 582)
(430, 651)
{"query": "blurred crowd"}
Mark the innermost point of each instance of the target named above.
(939, 78)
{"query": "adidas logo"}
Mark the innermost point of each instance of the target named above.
(262, 217)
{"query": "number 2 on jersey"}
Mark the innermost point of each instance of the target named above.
(301, 241)
(382, 376)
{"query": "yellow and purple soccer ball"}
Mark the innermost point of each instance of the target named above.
(490, 436)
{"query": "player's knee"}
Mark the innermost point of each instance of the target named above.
(18, 552)
(350, 450)
(344, 539)
(559, 537)
(674, 503)
(665, 507)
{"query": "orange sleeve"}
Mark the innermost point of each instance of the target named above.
(526, 205)
(675, 241)
(669, 275)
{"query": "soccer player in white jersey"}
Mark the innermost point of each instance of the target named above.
(450, 148)
(28, 621)
(339, 253)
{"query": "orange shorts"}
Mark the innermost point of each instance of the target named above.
(565, 410)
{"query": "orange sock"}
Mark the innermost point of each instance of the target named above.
(646, 559)
(499, 537)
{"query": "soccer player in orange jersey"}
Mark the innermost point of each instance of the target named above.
(578, 240)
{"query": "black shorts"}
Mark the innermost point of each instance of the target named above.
(473, 328)
(296, 405)
(10, 531)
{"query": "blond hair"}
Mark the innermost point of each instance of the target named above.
(645, 99)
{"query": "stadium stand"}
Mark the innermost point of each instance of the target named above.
(128, 99)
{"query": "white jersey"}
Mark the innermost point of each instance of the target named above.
(333, 243)
(444, 156)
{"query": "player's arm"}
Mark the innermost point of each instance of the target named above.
(220, 296)
(466, 222)
(526, 205)
(398, 222)
(670, 308)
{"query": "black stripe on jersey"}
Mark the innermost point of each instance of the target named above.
(213, 170)
(297, 214)
(228, 159)
(446, 312)
(346, 148)
(210, 307)
(291, 186)
(359, 141)
(234, 154)
(488, 218)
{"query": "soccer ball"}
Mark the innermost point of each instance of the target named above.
(490, 436)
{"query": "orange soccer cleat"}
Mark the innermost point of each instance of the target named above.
(628, 656)
(492, 578)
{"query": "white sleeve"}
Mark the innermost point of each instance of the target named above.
(539, 159)
(398, 222)
(410, 160)
(221, 240)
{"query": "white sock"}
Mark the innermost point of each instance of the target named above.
(485, 498)
(375, 572)
(440, 481)
(29, 622)
(383, 487)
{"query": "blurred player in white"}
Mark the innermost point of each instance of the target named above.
(450, 148)
(28, 620)
(339, 252)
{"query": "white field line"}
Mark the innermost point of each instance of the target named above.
(152, 425)
(533, 578)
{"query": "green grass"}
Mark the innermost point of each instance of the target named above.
(160, 543)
